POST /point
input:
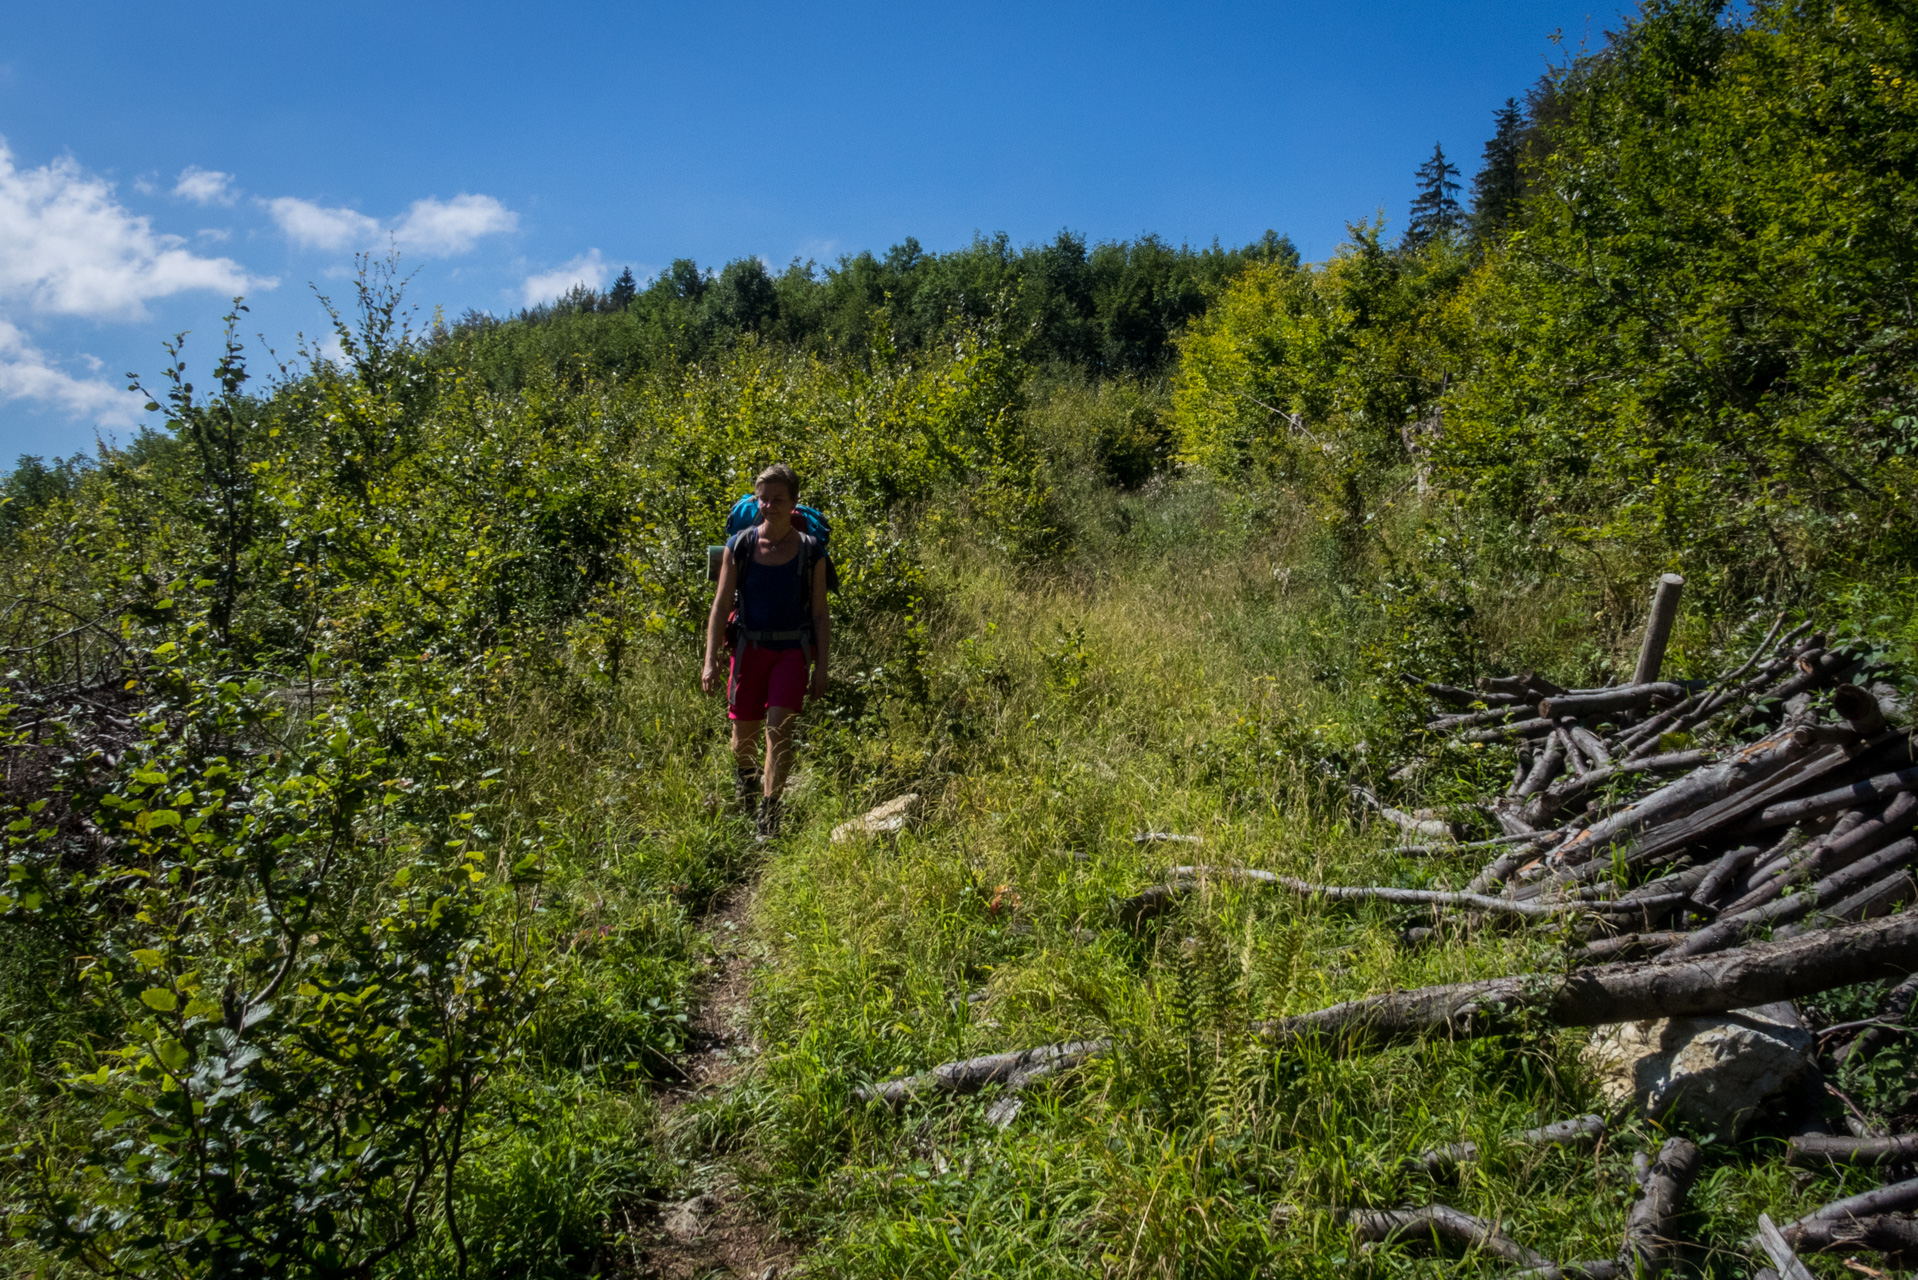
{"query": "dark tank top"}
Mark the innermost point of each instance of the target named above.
(769, 600)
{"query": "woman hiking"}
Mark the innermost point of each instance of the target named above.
(777, 575)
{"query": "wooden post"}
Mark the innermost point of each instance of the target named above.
(1658, 628)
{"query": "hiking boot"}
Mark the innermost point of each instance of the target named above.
(768, 819)
(746, 788)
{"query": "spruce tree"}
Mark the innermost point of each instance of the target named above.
(1498, 188)
(1435, 212)
(625, 289)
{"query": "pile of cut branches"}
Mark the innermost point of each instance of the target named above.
(1660, 818)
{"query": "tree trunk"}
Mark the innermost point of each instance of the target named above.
(1736, 979)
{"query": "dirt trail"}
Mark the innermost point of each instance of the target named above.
(717, 1233)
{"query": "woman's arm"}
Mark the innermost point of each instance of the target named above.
(821, 629)
(716, 620)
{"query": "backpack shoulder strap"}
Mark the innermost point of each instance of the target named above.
(808, 552)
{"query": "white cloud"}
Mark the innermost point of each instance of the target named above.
(435, 228)
(587, 269)
(67, 247)
(452, 226)
(204, 186)
(26, 373)
(313, 226)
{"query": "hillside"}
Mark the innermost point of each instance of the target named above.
(376, 901)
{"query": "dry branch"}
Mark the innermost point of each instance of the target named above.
(1899, 1197)
(1816, 1150)
(1649, 1244)
(1014, 1070)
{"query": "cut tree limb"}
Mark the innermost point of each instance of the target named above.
(1889, 1233)
(1631, 697)
(1578, 1131)
(1380, 1226)
(1014, 1070)
(1537, 728)
(1649, 1243)
(1817, 1150)
(1758, 973)
(1899, 1197)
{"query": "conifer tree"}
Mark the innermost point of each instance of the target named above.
(1497, 188)
(625, 289)
(1435, 211)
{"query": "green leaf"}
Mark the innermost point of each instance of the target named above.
(160, 998)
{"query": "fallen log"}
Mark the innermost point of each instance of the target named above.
(1457, 697)
(1739, 978)
(1817, 1150)
(1014, 1070)
(1730, 865)
(1544, 769)
(1712, 821)
(1899, 1197)
(1870, 902)
(1628, 946)
(1537, 728)
(1578, 1131)
(1384, 1226)
(1589, 745)
(1649, 1243)
(1790, 857)
(1495, 872)
(1887, 1233)
(1755, 974)
(1631, 697)
(1815, 668)
(1467, 719)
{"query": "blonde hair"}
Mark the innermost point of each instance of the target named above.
(782, 473)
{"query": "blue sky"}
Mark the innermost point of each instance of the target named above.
(156, 161)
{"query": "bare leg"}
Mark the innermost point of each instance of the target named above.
(746, 741)
(779, 747)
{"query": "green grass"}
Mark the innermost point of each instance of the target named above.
(1185, 671)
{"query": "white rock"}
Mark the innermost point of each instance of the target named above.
(886, 819)
(1713, 1072)
(686, 1221)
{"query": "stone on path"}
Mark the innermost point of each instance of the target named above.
(888, 818)
(686, 1221)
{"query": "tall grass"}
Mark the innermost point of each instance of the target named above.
(1192, 669)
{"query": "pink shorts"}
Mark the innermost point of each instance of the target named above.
(767, 678)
